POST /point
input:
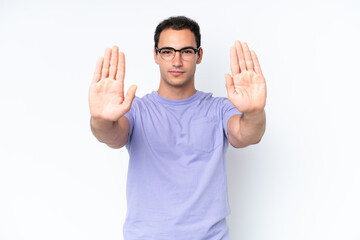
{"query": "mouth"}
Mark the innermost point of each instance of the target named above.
(176, 72)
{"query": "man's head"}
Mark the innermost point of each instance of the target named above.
(178, 23)
(177, 68)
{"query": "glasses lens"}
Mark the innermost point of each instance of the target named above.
(187, 53)
(167, 53)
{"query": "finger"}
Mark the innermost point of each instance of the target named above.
(248, 60)
(229, 84)
(130, 95)
(105, 69)
(113, 62)
(234, 63)
(120, 74)
(256, 63)
(240, 55)
(97, 73)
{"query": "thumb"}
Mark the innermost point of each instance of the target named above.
(130, 95)
(229, 84)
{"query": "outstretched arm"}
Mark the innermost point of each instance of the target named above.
(246, 90)
(107, 102)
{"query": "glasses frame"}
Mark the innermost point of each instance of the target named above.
(176, 50)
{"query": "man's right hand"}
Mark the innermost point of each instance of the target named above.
(106, 93)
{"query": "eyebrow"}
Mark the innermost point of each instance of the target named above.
(179, 48)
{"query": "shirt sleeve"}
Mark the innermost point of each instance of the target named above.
(130, 115)
(228, 110)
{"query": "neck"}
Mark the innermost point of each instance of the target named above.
(176, 92)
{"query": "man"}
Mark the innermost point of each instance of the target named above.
(177, 136)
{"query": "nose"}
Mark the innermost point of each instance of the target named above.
(177, 61)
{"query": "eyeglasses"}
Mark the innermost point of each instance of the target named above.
(186, 53)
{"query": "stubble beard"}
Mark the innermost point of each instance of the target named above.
(175, 83)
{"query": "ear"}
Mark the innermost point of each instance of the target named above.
(200, 55)
(156, 57)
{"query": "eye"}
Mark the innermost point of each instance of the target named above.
(166, 51)
(187, 51)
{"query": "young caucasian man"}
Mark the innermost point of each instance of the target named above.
(177, 136)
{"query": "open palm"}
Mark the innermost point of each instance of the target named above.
(246, 87)
(106, 93)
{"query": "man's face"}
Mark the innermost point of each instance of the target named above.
(177, 72)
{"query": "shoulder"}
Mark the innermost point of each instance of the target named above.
(214, 100)
(144, 105)
(138, 101)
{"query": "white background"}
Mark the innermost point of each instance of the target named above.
(301, 182)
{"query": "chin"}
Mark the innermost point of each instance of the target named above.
(177, 83)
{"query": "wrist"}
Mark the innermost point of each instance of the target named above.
(101, 123)
(253, 114)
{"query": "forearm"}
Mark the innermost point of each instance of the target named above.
(252, 127)
(247, 129)
(112, 133)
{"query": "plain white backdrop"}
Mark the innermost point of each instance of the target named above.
(301, 182)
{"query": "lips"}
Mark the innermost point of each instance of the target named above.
(176, 72)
